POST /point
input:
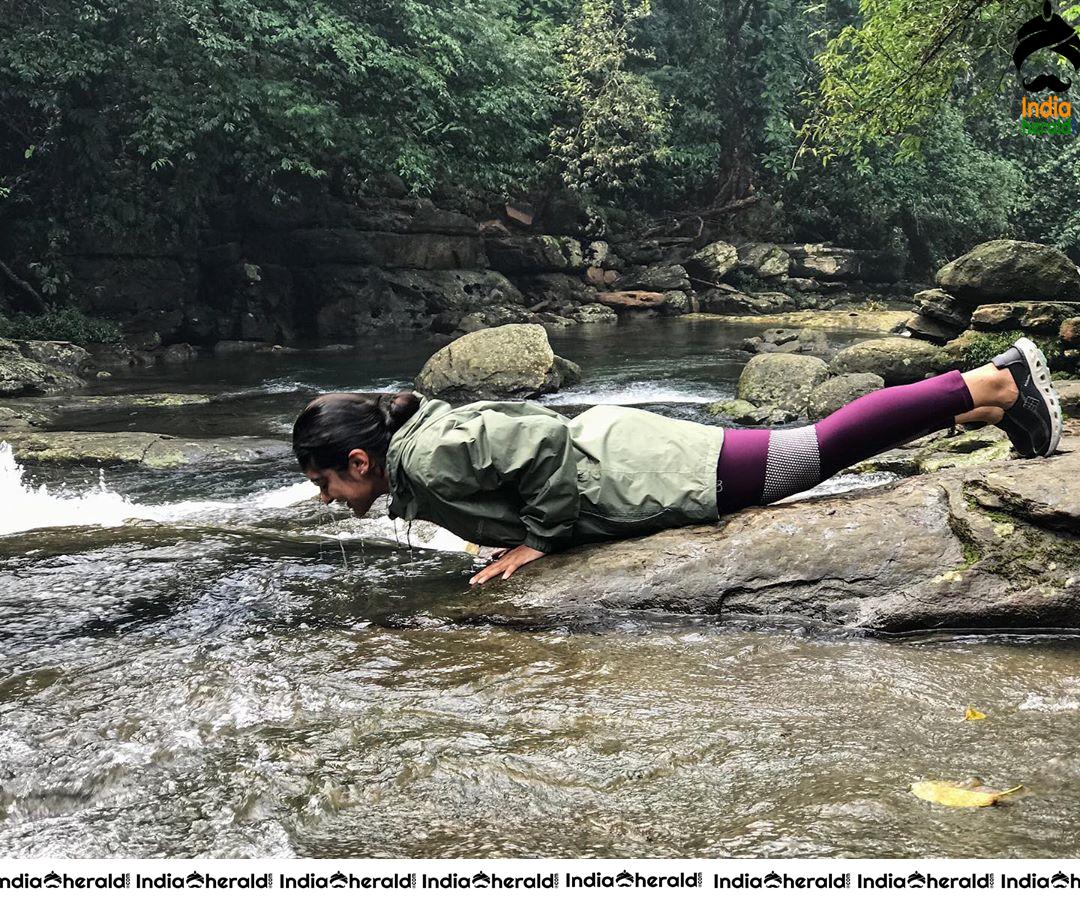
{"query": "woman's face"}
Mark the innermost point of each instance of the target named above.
(357, 485)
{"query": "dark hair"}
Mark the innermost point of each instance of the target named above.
(332, 425)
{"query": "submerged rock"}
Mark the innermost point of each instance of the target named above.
(507, 362)
(992, 546)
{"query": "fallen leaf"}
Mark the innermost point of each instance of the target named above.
(949, 793)
(973, 715)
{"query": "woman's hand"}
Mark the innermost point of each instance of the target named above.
(507, 562)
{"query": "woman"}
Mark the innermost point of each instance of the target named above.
(515, 474)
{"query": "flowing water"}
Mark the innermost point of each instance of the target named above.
(211, 663)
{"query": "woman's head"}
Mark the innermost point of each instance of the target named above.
(340, 442)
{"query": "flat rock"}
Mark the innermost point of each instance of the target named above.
(883, 321)
(993, 546)
(154, 451)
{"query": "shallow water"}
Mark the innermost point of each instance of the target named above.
(212, 663)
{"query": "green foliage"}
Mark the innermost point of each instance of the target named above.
(60, 323)
(985, 345)
(609, 121)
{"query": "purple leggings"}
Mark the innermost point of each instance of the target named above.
(762, 465)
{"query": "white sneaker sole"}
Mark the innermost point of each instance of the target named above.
(1040, 371)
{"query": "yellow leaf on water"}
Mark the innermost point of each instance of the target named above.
(972, 715)
(949, 793)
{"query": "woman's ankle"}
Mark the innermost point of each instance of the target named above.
(991, 386)
(988, 415)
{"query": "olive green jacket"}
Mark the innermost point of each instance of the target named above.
(503, 473)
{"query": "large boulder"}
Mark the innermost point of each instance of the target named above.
(1011, 270)
(39, 367)
(784, 380)
(898, 360)
(713, 261)
(654, 278)
(508, 362)
(840, 390)
(987, 546)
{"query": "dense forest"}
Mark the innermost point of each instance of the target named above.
(886, 124)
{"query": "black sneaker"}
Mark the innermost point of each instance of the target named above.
(1033, 422)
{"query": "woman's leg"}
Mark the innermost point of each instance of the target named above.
(762, 465)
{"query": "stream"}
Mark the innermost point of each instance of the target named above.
(211, 663)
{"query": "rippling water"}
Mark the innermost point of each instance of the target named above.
(212, 663)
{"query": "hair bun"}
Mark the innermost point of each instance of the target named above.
(401, 409)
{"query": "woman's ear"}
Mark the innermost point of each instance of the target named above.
(359, 462)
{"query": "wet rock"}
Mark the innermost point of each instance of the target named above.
(1011, 270)
(832, 393)
(1033, 316)
(992, 546)
(154, 451)
(508, 362)
(595, 312)
(714, 261)
(784, 380)
(764, 260)
(896, 359)
(25, 370)
(1069, 332)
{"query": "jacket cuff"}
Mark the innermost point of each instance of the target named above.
(544, 545)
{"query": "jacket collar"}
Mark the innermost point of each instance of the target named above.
(403, 502)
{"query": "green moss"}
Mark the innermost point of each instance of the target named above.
(985, 345)
(60, 323)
